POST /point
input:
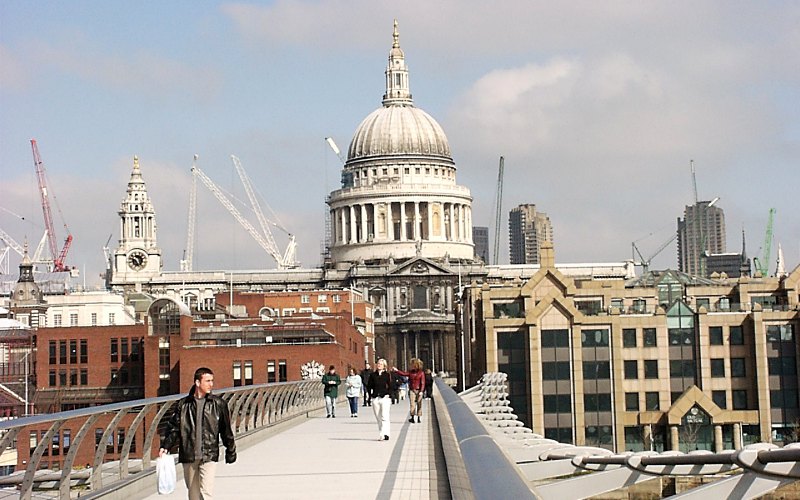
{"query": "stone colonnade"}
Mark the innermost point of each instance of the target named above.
(401, 221)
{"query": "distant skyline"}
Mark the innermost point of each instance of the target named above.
(597, 108)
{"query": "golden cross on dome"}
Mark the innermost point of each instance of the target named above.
(396, 36)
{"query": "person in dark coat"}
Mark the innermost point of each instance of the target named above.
(365, 374)
(199, 421)
(428, 383)
(331, 382)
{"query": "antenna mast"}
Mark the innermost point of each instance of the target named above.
(498, 212)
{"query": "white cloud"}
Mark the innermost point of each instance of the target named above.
(12, 72)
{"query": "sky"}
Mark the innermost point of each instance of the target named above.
(597, 107)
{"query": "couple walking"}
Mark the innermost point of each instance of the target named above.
(331, 382)
(380, 387)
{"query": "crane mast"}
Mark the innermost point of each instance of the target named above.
(58, 257)
(762, 264)
(498, 212)
(186, 263)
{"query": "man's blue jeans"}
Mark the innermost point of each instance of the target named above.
(353, 400)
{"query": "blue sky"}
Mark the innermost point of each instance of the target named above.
(597, 107)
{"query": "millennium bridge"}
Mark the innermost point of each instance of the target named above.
(468, 446)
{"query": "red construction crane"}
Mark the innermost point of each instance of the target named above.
(58, 257)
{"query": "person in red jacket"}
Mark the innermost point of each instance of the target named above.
(416, 384)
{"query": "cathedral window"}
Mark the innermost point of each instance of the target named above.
(407, 171)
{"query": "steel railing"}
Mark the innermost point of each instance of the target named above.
(252, 408)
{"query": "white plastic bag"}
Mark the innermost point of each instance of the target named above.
(165, 471)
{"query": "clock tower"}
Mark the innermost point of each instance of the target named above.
(137, 259)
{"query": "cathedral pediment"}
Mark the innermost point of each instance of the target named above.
(420, 266)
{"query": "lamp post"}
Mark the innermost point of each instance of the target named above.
(25, 360)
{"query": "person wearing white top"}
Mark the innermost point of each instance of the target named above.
(353, 385)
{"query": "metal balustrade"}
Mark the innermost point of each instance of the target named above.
(253, 408)
(557, 470)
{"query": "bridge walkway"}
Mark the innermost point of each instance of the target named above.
(337, 458)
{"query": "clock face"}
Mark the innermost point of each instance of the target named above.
(137, 260)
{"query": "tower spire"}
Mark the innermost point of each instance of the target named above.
(397, 90)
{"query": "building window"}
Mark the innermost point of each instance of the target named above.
(62, 378)
(84, 376)
(73, 377)
(631, 401)
(248, 373)
(282, 373)
(94, 319)
(785, 365)
(62, 352)
(736, 336)
(597, 402)
(651, 402)
(73, 351)
(681, 368)
(717, 367)
(557, 403)
(631, 369)
(114, 376)
(649, 337)
(594, 338)
(51, 347)
(73, 319)
(114, 350)
(681, 336)
(111, 319)
(123, 353)
(66, 438)
(715, 335)
(651, 368)
(629, 337)
(596, 370)
(322, 299)
(305, 299)
(271, 371)
(288, 311)
(84, 351)
(555, 338)
(738, 367)
(720, 399)
(703, 302)
(52, 378)
(237, 373)
(739, 399)
(786, 398)
(639, 306)
(56, 320)
(337, 299)
(555, 370)
(134, 356)
(599, 435)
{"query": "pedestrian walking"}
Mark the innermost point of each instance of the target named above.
(353, 385)
(195, 428)
(331, 382)
(365, 373)
(380, 389)
(428, 383)
(416, 384)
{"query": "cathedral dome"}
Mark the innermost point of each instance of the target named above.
(397, 129)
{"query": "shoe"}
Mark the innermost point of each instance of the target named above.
(411, 419)
(385, 438)
(418, 419)
(328, 416)
(333, 416)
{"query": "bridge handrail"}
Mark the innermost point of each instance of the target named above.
(252, 407)
(477, 467)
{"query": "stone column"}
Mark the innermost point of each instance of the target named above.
(673, 438)
(647, 437)
(737, 436)
(718, 444)
(429, 216)
(353, 232)
(416, 221)
(452, 224)
(364, 233)
(344, 225)
(403, 235)
(390, 221)
(433, 351)
(375, 219)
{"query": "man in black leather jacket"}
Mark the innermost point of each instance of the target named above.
(199, 462)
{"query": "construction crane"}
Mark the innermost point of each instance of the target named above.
(188, 253)
(645, 263)
(58, 257)
(287, 260)
(498, 212)
(762, 264)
